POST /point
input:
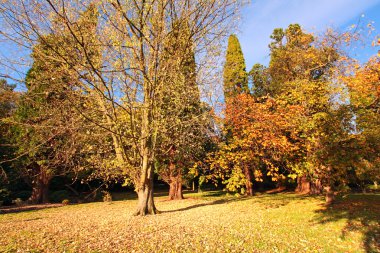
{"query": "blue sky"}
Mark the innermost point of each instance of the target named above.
(262, 16)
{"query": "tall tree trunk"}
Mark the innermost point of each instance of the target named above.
(316, 187)
(145, 195)
(307, 186)
(248, 183)
(175, 181)
(40, 186)
(175, 190)
(303, 185)
(144, 187)
(330, 197)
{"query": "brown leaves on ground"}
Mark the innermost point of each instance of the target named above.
(204, 223)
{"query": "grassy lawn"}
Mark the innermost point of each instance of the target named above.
(208, 222)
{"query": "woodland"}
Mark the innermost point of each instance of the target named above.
(132, 108)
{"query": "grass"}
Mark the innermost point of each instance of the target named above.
(208, 222)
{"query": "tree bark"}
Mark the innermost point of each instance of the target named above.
(174, 178)
(330, 197)
(40, 186)
(307, 186)
(248, 183)
(316, 187)
(175, 190)
(145, 185)
(303, 185)
(145, 196)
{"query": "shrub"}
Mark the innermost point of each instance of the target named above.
(5, 197)
(59, 196)
(107, 197)
(24, 195)
(65, 202)
(18, 202)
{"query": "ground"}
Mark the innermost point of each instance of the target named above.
(204, 222)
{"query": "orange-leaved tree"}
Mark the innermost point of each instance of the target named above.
(262, 135)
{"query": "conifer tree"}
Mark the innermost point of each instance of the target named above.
(47, 133)
(180, 106)
(234, 74)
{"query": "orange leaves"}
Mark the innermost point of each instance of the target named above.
(261, 122)
(261, 132)
(364, 85)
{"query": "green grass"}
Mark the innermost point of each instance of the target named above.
(208, 222)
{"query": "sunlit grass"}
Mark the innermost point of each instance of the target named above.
(204, 222)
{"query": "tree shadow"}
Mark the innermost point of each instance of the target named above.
(211, 203)
(268, 201)
(362, 212)
(27, 208)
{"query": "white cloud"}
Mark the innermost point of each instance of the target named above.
(262, 16)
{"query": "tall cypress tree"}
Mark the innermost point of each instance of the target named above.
(234, 74)
(180, 106)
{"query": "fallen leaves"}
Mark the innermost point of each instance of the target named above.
(278, 222)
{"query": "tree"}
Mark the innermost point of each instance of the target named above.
(260, 79)
(183, 121)
(301, 73)
(262, 137)
(126, 79)
(47, 124)
(8, 101)
(234, 72)
(364, 95)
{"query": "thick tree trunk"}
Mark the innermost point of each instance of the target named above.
(316, 187)
(40, 190)
(175, 190)
(145, 196)
(248, 183)
(174, 178)
(40, 194)
(303, 185)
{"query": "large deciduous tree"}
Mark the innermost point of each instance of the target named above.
(262, 133)
(126, 78)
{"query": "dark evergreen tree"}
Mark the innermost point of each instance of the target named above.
(234, 73)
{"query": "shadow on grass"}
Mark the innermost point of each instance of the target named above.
(362, 212)
(215, 202)
(130, 195)
(268, 201)
(18, 209)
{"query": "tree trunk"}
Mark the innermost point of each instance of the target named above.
(303, 185)
(316, 187)
(330, 197)
(248, 183)
(145, 196)
(40, 187)
(175, 190)
(174, 178)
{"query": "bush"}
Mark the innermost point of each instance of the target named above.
(24, 195)
(5, 197)
(59, 196)
(107, 197)
(65, 202)
(18, 202)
